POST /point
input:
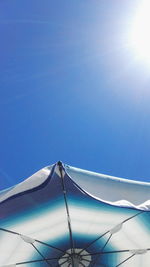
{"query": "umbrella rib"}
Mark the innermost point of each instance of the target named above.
(67, 211)
(106, 252)
(102, 249)
(43, 243)
(33, 261)
(125, 260)
(63, 262)
(26, 262)
(41, 255)
(93, 242)
(81, 263)
(133, 216)
(109, 252)
(109, 231)
(50, 246)
(106, 242)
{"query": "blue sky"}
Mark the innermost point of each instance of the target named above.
(71, 89)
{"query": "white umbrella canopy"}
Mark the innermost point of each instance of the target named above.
(64, 216)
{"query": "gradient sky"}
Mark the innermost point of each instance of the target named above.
(71, 89)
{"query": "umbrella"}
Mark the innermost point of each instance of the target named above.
(64, 216)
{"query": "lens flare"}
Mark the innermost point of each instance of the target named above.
(140, 32)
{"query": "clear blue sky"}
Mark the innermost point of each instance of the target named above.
(71, 90)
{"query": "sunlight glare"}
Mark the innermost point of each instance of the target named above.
(140, 32)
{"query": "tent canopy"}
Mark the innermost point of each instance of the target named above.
(64, 216)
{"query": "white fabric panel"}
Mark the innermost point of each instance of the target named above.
(112, 189)
(33, 181)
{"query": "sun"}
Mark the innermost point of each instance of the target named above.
(140, 31)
